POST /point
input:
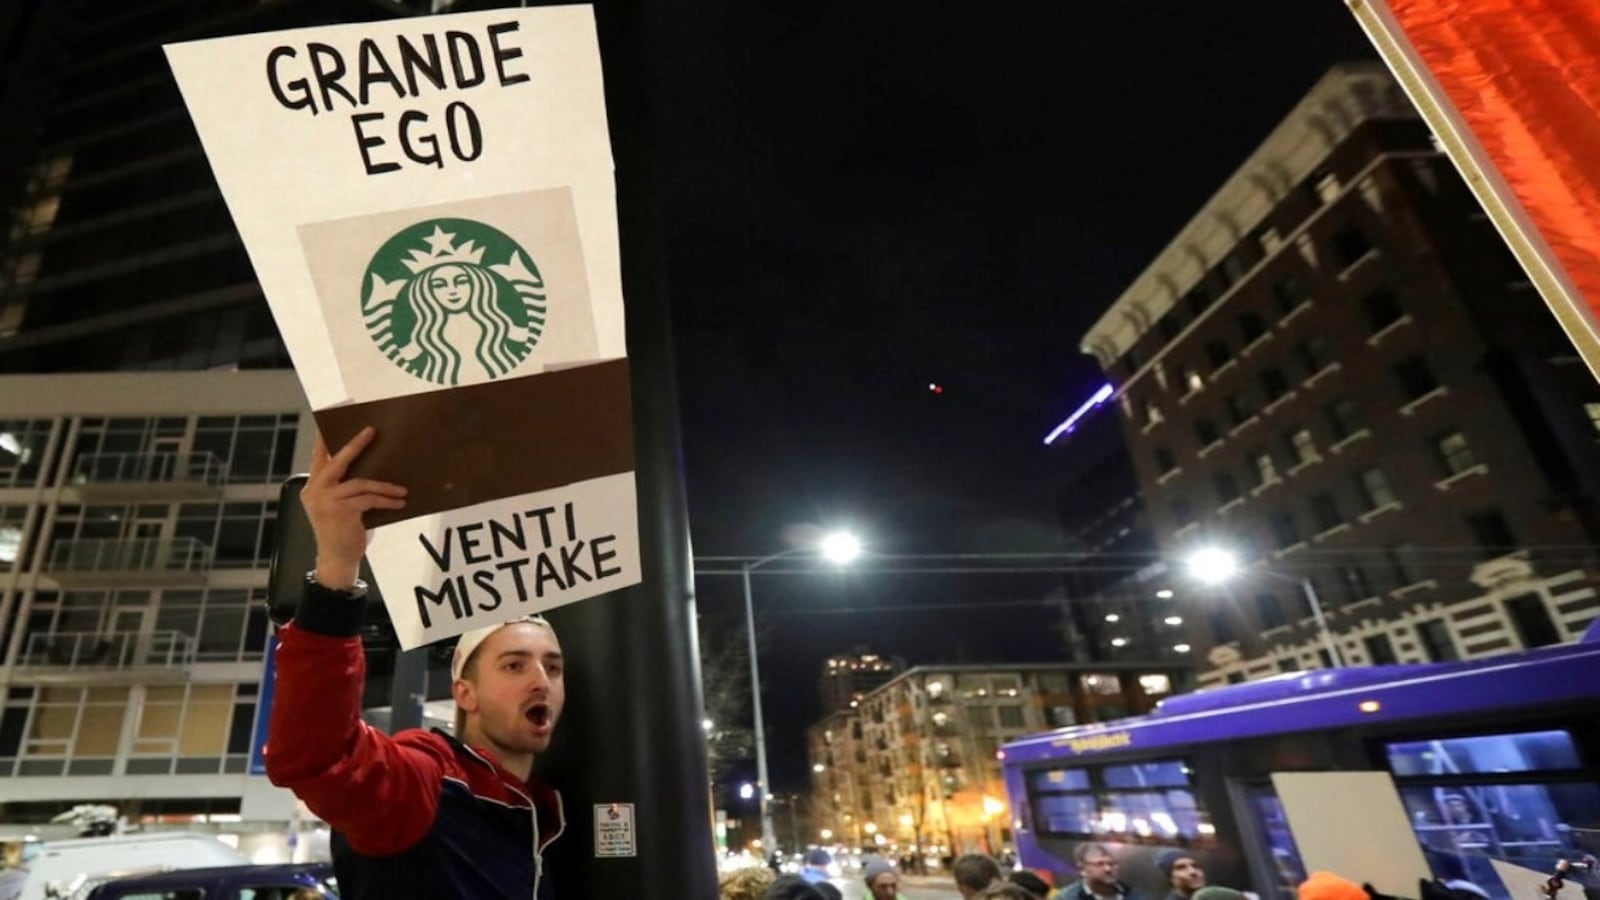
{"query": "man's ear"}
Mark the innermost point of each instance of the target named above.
(466, 695)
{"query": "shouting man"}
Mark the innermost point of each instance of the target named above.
(422, 813)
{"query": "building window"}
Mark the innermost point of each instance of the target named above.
(1206, 431)
(1344, 418)
(1593, 410)
(1130, 362)
(1227, 487)
(1353, 583)
(1270, 611)
(1234, 266)
(1218, 354)
(1285, 530)
(1197, 300)
(1170, 325)
(1382, 309)
(1221, 627)
(1300, 445)
(1266, 468)
(1251, 327)
(1182, 512)
(1291, 292)
(1375, 489)
(1405, 560)
(1164, 461)
(254, 448)
(22, 446)
(1325, 511)
(1273, 384)
(1316, 354)
(1380, 651)
(1437, 645)
(1011, 717)
(1350, 245)
(1532, 620)
(1240, 408)
(1416, 378)
(1491, 533)
(1455, 454)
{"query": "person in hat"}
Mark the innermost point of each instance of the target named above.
(1328, 886)
(815, 868)
(883, 882)
(420, 813)
(1182, 873)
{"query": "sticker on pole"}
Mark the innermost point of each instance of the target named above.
(430, 207)
(613, 830)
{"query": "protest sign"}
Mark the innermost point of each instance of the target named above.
(430, 208)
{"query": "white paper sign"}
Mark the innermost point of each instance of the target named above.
(613, 830)
(429, 205)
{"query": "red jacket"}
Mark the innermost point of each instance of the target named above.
(424, 814)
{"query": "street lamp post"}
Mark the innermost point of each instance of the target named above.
(1214, 565)
(838, 548)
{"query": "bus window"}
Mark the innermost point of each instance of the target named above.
(1534, 751)
(1164, 816)
(1162, 773)
(1063, 803)
(1059, 780)
(1473, 799)
(1281, 856)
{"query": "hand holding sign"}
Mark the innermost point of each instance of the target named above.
(335, 507)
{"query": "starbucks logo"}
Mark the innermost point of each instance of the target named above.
(453, 301)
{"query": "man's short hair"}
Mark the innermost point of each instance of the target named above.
(1081, 855)
(975, 871)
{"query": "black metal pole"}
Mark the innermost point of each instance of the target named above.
(408, 689)
(631, 731)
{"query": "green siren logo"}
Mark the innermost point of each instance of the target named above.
(436, 310)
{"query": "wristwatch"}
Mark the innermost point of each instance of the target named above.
(358, 592)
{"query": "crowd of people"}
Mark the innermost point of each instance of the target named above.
(980, 877)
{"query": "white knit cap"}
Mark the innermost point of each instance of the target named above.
(469, 642)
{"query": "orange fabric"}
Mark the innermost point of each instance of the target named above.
(1328, 886)
(1524, 76)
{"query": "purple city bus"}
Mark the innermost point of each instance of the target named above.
(1493, 758)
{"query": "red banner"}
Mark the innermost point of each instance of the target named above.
(1512, 89)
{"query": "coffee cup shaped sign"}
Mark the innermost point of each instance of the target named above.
(430, 207)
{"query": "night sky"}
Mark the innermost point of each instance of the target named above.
(862, 199)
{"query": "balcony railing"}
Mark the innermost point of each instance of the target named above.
(144, 474)
(137, 560)
(109, 651)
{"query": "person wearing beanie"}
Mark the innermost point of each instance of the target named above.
(816, 865)
(1182, 873)
(419, 813)
(1218, 893)
(1328, 886)
(883, 882)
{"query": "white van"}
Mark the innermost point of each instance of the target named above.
(61, 869)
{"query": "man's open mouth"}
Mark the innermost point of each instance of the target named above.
(539, 714)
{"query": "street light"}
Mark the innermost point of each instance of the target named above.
(1214, 565)
(837, 547)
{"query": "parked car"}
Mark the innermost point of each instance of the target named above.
(310, 881)
(62, 868)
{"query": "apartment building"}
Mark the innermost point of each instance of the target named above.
(1337, 371)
